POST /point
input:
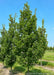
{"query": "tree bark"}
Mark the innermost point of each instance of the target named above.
(41, 62)
(28, 70)
(11, 71)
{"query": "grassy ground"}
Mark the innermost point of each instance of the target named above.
(46, 63)
(49, 59)
(49, 55)
(33, 71)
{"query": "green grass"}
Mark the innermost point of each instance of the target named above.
(18, 68)
(49, 55)
(49, 58)
(44, 71)
(46, 63)
(33, 71)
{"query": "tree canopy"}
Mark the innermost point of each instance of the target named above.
(23, 40)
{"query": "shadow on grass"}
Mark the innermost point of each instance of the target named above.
(18, 69)
(43, 63)
(21, 69)
(34, 72)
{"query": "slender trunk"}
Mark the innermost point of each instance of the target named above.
(3, 62)
(11, 68)
(11, 71)
(41, 62)
(28, 70)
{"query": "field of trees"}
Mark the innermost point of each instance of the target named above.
(23, 47)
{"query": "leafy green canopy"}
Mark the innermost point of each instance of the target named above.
(33, 41)
(10, 56)
(3, 44)
(23, 39)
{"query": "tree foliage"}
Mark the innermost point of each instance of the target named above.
(33, 40)
(23, 40)
(3, 44)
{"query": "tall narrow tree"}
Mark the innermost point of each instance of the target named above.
(31, 47)
(3, 44)
(10, 56)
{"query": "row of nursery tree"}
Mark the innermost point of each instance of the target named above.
(23, 41)
(50, 48)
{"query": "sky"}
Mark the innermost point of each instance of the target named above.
(45, 10)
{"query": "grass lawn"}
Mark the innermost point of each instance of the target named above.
(46, 63)
(49, 55)
(49, 59)
(47, 72)
(33, 71)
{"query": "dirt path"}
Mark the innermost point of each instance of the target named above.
(3, 71)
(44, 67)
(47, 61)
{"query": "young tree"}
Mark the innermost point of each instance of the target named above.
(10, 56)
(3, 44)
(32, 42)
(23, 39)
(43, 37)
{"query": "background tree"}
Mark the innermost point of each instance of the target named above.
(10, 56)
(43, 37)
(3, 44)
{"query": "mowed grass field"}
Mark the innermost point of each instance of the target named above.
(36, 70)
(49, 55)
(47, 59)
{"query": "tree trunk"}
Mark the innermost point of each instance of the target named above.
(11, 71)
(41, 62)
(3, 62)
(28, 71)
(11, 68)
